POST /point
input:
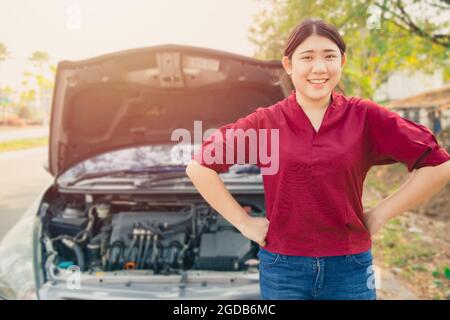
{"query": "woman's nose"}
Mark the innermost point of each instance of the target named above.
(319, 67)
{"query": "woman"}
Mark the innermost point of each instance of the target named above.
(315, 242)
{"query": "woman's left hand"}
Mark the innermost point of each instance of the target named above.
(374, 220)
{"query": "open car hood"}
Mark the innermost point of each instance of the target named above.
(138, 97)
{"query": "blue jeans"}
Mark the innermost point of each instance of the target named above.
(347, 277)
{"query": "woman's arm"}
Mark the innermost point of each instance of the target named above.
(421, 186)
(213, 190)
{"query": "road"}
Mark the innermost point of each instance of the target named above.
(23, 134)
(22, 180)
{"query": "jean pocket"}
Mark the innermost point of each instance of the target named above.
(362, 259)
(267, 258)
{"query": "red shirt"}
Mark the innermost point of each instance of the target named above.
(314, 201)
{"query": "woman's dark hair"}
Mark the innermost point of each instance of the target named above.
(309, 27)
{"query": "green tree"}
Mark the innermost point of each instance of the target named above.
(5, 101)
(4, 55)
(374, 51)
(427, 19)
(39, 59)
(44, 84)
(27, 99)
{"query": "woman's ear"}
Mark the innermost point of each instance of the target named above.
(343, 60)
(287, 64)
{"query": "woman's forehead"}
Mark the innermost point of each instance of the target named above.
(316, 43)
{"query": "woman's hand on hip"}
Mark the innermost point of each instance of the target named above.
(255, 229)
(375, 220)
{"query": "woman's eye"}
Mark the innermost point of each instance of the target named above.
(331, 56)
(306, 58)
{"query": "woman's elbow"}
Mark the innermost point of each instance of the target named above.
(440, 172)
(443, 170)
(446, 164)
(193, 168)
(189, 169)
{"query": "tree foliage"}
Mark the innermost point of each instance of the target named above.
(376, 44)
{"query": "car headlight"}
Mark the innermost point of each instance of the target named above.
(17, 278)
(5, 291)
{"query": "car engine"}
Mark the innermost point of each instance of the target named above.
(111, 233)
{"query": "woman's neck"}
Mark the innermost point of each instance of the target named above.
(312, 105)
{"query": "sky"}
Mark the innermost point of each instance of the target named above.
(78, 29)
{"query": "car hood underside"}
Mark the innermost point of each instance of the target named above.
(139, 97)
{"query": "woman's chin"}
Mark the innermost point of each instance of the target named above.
(315, 95)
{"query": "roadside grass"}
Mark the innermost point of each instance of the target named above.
(22, 144)
(400, 248)
(414, 258)
(386, 178)
(418, 257)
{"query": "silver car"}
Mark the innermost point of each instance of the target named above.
(121, 220)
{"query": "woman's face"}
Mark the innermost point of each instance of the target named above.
(315, 67)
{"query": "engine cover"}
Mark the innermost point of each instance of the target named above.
(124, 223)
(223, 250)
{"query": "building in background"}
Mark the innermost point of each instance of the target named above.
(431, 108)
(402, 84)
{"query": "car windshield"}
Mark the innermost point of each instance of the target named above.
(138, 157)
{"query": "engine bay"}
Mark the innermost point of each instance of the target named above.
(107, 233)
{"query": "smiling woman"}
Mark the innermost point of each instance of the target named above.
(314, 57)
(316, 240)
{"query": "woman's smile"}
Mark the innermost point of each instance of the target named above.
(317, 83)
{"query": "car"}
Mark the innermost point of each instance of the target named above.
(121, 220)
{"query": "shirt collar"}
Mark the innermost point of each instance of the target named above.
(335, 99)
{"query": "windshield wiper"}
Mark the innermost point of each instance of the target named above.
(152, 170)
(239, 176)
(251, 169)
(158, 173)
(161, 179)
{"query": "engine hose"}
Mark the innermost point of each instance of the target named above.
(76, 249)
(184, 220)
(154, 252)
(114, 257)
(89, 226)
(116, 251)
(175, 243)
(139, 253)
(147, 245)
(174, 251)
(133, 243)
(171, 231)
(182, 253)
(133, 255)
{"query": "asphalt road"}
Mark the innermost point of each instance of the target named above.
(23, 134)
(22, 180)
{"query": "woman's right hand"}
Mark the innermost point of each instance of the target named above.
(213, 190)
(255, 229)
